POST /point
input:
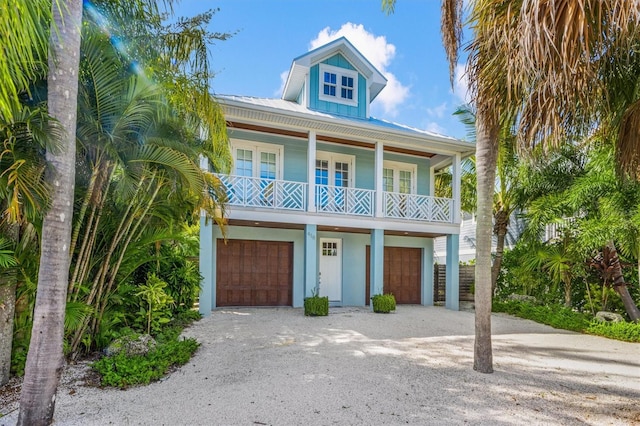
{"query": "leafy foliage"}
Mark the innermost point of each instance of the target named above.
(383, 303)
(123, 371)
(556, 316)
(625, 331)
(316, 306)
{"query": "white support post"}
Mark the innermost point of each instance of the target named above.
(311, 172)
(432, 181)
(379, 162)
(455, 190)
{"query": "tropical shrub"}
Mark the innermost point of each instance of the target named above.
(556, 316)
(123, 371)
(625, 331)
(155, 304)
(316, 306)
(383, 303)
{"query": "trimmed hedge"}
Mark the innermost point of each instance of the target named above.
(384, 303)
(316, 306)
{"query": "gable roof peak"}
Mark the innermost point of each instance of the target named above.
(300, 67)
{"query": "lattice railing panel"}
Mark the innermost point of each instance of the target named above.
(418, 207)
(341, 200)
(255, 192)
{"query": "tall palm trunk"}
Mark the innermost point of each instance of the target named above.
(619, 285)
(45, 358)
(486, 157)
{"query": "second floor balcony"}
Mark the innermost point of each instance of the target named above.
(284, 195)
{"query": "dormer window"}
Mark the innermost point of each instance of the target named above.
(338, 85)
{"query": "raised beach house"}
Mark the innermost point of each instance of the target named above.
(325, 198)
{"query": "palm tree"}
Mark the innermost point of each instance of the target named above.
(544, 61)
(24, 195)
(24, 48)
(505, 200)
(45, 358)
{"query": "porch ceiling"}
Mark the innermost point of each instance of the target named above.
(291, 117)
(327, 228)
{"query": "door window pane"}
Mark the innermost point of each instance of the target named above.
(405, 182)
(244, 162)
(322, 172)
(387, 180)
(342, 174)
(267, 165)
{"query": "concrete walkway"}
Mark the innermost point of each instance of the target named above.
(268, 366)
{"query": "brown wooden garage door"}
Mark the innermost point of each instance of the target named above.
(254, 273)
(402, 273)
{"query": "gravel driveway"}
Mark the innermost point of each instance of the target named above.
(273, 366)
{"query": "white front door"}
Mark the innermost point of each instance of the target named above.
(331, 268)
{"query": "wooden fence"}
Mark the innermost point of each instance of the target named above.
(467, 277)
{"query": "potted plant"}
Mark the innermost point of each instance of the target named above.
(316, 306)
(383, 303)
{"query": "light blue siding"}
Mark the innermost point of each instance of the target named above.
(353, 266)
(207, 267)
(295, 151)
(333, 107)
(310, 260)
(452, 282)
(423, 169)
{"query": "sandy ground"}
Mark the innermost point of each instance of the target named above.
(276, 367)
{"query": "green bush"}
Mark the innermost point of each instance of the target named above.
(316, 306)
(625, 331)
(554, 315)
(122, 371)
(384, 303)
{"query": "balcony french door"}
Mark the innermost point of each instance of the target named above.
(261, 162)
(398, 179)
(333, 178)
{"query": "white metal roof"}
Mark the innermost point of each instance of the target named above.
(293, 116)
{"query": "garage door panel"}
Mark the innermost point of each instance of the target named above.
(402, 274)
(254, 273)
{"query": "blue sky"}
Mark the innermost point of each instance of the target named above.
(405, 46)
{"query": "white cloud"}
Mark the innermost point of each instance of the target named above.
(434, 127)
(377, 51)
(438, 111)
(461, 84)
(283, 81)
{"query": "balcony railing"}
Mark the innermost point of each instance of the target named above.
(287, 195)
(341, 200)
(418, 207)
(256, 192)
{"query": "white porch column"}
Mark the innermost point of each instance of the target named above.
(311, 172)
(455, 190)
(378, 164)
(432, 181)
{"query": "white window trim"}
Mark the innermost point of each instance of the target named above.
(332, 158)
(397, 166)
(257, 148)
(339, 72)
